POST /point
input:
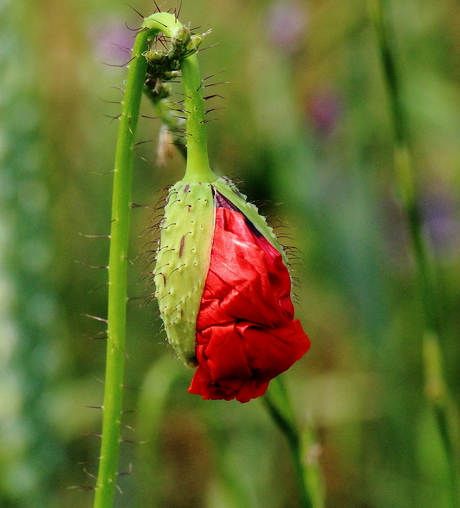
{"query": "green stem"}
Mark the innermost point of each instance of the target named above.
(196, 150)
(118, 260)
(307, 472)
(435, 387)
(198, 168)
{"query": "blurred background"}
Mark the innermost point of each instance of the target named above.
(305, 126)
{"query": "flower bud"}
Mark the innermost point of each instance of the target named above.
(224, 292)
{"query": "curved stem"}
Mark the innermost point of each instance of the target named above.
(118, 261)
(196, 150)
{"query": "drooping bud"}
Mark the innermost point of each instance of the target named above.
(224, 291)
(222, 282)
(184, 253)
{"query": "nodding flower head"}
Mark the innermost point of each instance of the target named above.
(224, 292)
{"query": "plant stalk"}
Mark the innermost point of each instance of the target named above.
(436, 389)
(198, 168)
(308, 474)
(118, 260)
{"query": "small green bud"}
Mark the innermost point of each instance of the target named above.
(181, 39)
(164, 64)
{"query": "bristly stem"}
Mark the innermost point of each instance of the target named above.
(436, 389)
(197, 168)
(306, 466)
(118, 259)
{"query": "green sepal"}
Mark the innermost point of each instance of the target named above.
(182, 262)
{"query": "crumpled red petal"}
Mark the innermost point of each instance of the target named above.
(246, 334)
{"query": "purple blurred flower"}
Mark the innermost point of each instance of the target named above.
(324, 109)
(440, 216)
(438, 210)
(286, 24)
(112, 42)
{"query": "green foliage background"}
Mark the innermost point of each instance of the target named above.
(306, 127)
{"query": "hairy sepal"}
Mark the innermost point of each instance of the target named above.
(183, 262)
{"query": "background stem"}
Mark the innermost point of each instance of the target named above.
(435, 386)
(307, 472)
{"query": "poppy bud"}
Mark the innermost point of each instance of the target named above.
(224, 292)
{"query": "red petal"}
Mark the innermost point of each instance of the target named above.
(245, 329)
